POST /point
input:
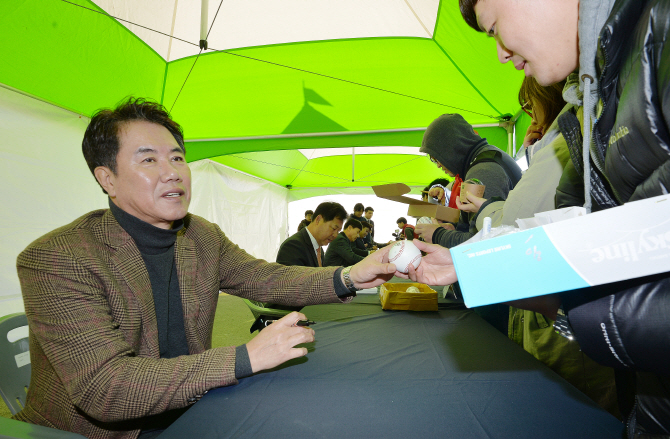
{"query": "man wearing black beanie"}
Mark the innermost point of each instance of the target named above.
(455, 147)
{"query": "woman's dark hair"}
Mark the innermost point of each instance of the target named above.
(468, 13)
(359, 207)
(550, 98)
(101, 139)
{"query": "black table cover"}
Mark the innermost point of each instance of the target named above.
(396, 374)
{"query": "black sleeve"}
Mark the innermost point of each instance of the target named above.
(624, 325)
(242, 362)
(409, 233)
(450, 238)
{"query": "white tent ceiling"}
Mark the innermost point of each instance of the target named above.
(263, 22)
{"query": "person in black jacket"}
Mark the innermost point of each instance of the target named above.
(341, 251)
(618, 140)
(361, 241)
(458, 150)
(304, 248)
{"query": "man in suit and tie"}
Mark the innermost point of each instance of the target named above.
(121, 302)
(342, 251)
(305, 247)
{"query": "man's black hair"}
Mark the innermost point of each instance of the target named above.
(369, 209)
(442, 181)
(329, 211)
(402, 219)
(101, 139)
(365, 224)
(354, 223)
(309, 212)
(359, 207)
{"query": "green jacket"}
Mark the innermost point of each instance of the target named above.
(340, 253)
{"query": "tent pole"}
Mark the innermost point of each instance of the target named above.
(204, 9)
(329, 134)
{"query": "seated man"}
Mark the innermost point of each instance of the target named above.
(308, 219)
(304, 248)
(370, 239)
(361, 240)
(358, 212)
(121, 302)
(340, 251)
(406, 230)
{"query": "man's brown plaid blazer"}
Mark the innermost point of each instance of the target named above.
(93, 334)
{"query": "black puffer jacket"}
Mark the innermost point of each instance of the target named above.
(627, 325)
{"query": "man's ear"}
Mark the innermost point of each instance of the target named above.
(317, 220)
(106, 178)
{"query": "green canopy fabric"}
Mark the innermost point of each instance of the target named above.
(254, 108)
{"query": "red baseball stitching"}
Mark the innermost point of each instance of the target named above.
(412, 261)
(402, 247)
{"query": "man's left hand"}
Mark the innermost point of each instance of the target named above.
(374, 270)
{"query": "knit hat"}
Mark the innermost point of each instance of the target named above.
(449, 139)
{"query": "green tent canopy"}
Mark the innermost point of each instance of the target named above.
(303, 94)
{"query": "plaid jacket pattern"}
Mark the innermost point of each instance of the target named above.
(93, 334)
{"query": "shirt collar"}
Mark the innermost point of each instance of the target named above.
(314, 243)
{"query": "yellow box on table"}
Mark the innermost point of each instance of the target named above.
(395, 296)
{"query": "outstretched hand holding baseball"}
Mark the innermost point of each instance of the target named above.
(374, 270)
(436, 267)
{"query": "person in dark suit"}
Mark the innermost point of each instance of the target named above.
(121, 302)
(341, 251)
(304, 247)
(358, 212)
(361, 241)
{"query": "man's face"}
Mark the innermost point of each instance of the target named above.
(325, 231)
(538, 36)
(401, 224)
(441, 166)
(152, 181)
(352, 233)
(368, 214)
(358, 213)
(364, 232)
(308, 217)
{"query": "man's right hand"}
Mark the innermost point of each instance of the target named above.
(274, 345)
(437, 193)
(437, 267)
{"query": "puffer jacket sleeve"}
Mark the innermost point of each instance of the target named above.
(658, 183)
(627, 325)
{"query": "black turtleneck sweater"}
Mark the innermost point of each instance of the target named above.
(156, 246)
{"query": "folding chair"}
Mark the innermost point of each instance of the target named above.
(14, 361)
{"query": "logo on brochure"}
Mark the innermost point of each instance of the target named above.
(631, 250)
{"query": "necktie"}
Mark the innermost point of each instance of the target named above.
(318, 256)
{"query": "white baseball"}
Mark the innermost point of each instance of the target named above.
(425, 220)
(402, 254)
